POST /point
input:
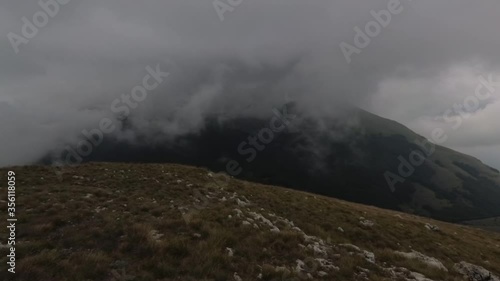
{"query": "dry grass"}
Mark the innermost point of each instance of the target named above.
(122, 222)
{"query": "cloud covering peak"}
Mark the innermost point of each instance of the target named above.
(262, 54)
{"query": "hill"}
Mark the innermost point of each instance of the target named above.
(104, 221)
(347, 157)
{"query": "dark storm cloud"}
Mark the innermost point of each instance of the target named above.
(263, 53)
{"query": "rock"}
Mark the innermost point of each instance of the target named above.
(326, 264)
(155, 235)
(431, 227)
(401, 273)
(280, 268)
(300, 266)
(322, 273)
(318, 249)
(351, 246)
(237, 277)
(419, 277)
(242, 203)
(361, 276)
(99, 209)
(367, 223)
(239, 213)
(474, 272)
(369, 256)
(423, 258)
(260, 218)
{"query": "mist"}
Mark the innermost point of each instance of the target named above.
(261, 56)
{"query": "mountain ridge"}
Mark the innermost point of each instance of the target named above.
(345, 157)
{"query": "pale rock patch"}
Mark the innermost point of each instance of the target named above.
(242, 203)
(239, 213)
(474, 272)
(369, 256)
(432, 227)
(155, 235)
(322, 274)
(326, 264)
(423, 258)
(365, 222)
(237, 277)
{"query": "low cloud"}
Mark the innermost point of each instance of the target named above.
(262, 55)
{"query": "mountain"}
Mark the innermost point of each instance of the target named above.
(356, 156)
(134, 222)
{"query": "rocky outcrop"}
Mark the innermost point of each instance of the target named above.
(475, 272)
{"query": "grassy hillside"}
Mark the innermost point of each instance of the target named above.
(492, 224)
(104, 221)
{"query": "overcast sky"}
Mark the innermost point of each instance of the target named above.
(263, 53)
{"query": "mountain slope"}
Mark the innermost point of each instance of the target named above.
(170, 222)
(346, 157)
(451, 186)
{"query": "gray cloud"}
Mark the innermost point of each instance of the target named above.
(64, 79)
